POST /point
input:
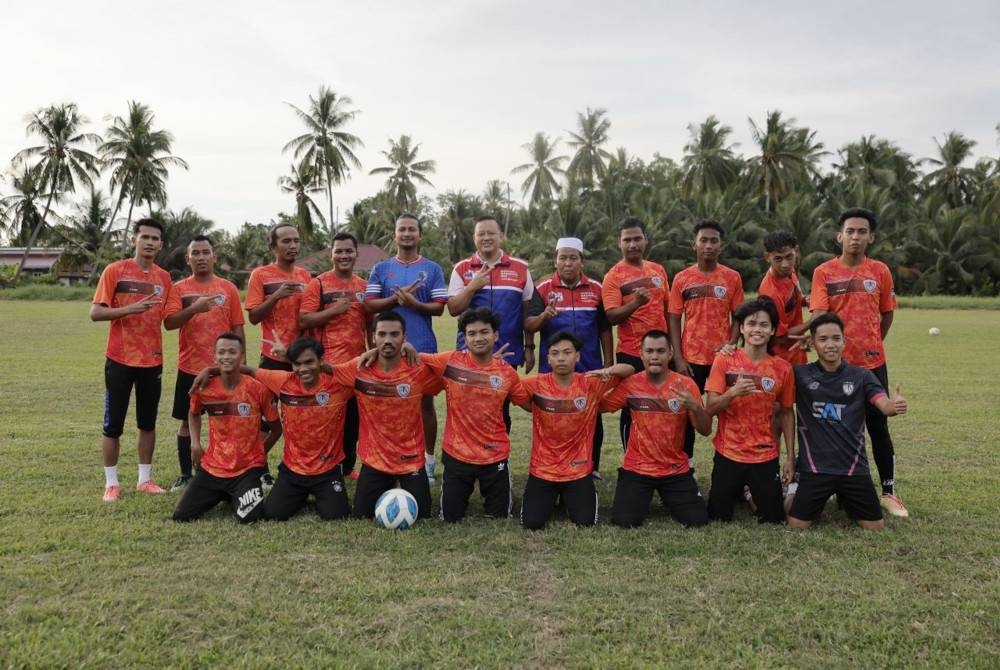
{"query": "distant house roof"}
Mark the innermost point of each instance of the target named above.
(40, 259)
(368, 256)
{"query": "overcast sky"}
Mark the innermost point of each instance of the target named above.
(472, 81)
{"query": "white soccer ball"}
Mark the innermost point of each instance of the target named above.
(934, 331)
(396, 509)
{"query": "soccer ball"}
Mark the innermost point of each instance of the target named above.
(396, 509)
(934, 331)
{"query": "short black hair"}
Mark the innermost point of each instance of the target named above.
(858, 213)
(201, 238)
(412, 217)
(565, 335)
(390, 316)
(231, 336)
(655, 333)
(709, 223)
(761, 303)
(303, 344)
(487, 217)
(340, 237)
(272, 232)
(823, 319)
(149, 223)
(631, 222)
(484, 314)
(779, 239)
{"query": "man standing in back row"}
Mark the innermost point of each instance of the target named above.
(130, 295)
(860, 291)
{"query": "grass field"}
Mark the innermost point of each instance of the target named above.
(85, 584)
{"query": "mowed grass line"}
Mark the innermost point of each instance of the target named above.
(90, 584)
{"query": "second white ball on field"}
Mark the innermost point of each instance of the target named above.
(934, 331)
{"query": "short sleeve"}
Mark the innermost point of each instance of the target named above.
(873, 388)
(737, 286)
(236, 317)
(887, 296)
(598, 387)
(435, 362)
(373, 291)
(611, 292)
(518, 393)
(430, 382)
(456, 284)
(344, 373)
(787, 397)
(818, 297)
(536, 305)
(437, 287)
(173, 303)
(311, 298)
(716, 382)
(268, 406)
(105, 293)
(614, 401)
(676, 304)
(255, 290)
(273, 379)
(196, 406)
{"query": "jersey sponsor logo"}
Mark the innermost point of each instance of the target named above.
(243, 408)
(828, 411)
(630, 287)
(403, 390)
(302, 400)
(589, 296)
(767, 384)
(509, 275)
(719, 291)
(377, 389)
(226, 408)
(702, 291)
(556, 405)
(812, 386)
(409, 457)
(322, 398)
(869, 285)
(734, 376)
(472, 377)
(648, 404)
(580, 403)
(248, 501)
(272, 287)
(848, 388)
(577, 463)
(136, 287)
(851, 285)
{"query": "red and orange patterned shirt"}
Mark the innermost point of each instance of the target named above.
(706, 302)
(135, 340)
(618, 288)
(789, 299)
(859, 296)
(282, 322)
(345, 336)
(474, 431)
(562, 424)
(235, 443)
(656, 439)
(746, 427)
(391, 437)
(198, 334)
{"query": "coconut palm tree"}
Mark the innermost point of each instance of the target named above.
(139, 159)
(326, 146)
(19, 215)
(404, 169)
(588, 164)
(956, 183)
(787, 154)
(303, 181)
(458, 213)
(62, 161)
(496, 200)
(543, 169)
(83, 231)
(709, 163)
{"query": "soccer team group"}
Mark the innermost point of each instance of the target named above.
(348, 369)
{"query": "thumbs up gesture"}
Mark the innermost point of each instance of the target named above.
(898, 402)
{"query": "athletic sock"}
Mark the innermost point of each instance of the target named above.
(111, 476)
(184, 454)
(145, 473)
(431, 462)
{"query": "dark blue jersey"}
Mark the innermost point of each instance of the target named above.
(831, 418)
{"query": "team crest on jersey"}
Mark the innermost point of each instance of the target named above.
(720, 292)
(495, 381)
(468, 275)
(848, 388)
(766, 383)
(360, 296)
(403, 390)
(322, 398)
(674, 404)
(657, 281)
(243, 408)
(813, 386)
(580, 403)
(554, 297)
(869, 285)
(157, 289)
(220, 300)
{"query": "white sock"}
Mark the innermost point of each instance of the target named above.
(145, 473)
(431, 462)
(111, 476)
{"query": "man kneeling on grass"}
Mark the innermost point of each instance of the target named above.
(231, 467)
(831, 397)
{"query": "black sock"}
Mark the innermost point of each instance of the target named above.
(184, 454)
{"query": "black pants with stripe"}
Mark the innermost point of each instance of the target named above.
(883, 452)
(540, 495)
(459, 481)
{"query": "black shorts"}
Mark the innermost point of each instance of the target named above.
(728, 479)
(679, 493)
(182, 397)
(291, 490)
(540, 495)
(118, 382)
(854, 492)
(373, 483)
(205, 491)
(271, 364)
(459, 481)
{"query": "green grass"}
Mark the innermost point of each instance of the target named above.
(89, 584)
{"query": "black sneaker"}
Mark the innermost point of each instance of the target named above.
(180, 484)
(266, 481)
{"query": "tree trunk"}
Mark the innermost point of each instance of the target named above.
(35, 232)
(104, 239)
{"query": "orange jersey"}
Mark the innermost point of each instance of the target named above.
(282, 322)
(706, 302)
(562, 425)
(859, 296)
(235, 443)
(787, 295)
(197, 336)
(746, 426)
(474, 431)
(312, 420)
(344, 336)
(656, 440)
(135, 340)
(391, 438)
(618, 288)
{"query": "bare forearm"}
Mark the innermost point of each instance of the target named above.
(105, 313)
(379, 305)
(886, 323)
(459, 302)
(617, 315)
(608, 346)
